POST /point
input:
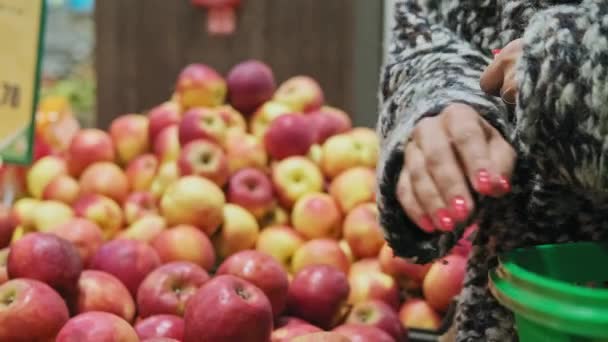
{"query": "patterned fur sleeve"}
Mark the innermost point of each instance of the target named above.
(429, 67)
(562, 119)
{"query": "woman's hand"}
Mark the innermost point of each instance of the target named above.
(446, 153)
(499, 77)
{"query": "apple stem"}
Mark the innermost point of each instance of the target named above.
(221, 20)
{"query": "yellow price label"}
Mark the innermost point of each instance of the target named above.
(21, 35)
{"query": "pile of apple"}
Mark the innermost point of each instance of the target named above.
(235, 211)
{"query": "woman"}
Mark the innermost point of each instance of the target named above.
(524, 154)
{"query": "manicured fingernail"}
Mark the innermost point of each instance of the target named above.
(426, 224)
(446, 222)
(495, 52)
(483, 182)
(460, 209)
(503, 186)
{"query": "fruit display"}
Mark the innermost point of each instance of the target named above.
(237, 210)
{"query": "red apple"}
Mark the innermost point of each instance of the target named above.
(323, 336)
(362, 231)
(97, 326)
(300, 93)
(202, 123)
(102, 210)
(48, 258)
(262, 271)
(8, 224)
(317, 215)
(232, 118)
(42, 172)
(30, 311)
(418, 314)
(287, 330)
(363, 333)
(167, 289)
(368, 282)
(185, 243)
(205, 159)
(408, 274)
(377, 314)
(85, 235)
(250, 84)
(289, 135)
(444, 281)
(295, 177)
(128, 260)
(105, 178)
(198, 85)
(251, 189)
(244, 151)
(280, 242)
(318, 294)
(161, 339)
(166, 144)
(265, 115)
(241, 312)
(141, 172)
(139, 204)
(130, 136)
(62, 188)
(87, 147)
(101, 291)
(320, 251)
(328, 124)
(3, 261)
(353, 187)
(158, 326)
(162, 116)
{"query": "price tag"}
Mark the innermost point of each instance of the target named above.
(22, 24)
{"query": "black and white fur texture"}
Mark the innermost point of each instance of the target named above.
(438, 51)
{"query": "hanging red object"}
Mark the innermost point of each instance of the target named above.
(221, 16)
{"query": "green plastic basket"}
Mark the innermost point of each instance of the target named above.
(540, 286)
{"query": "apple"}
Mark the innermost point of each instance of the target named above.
(362, 231)
(317, 215)
(368, 282)
(102, 210)
(159, 326)
(97, 326)
(128, 260)
(328, 124)
(3, 261)
(250, 84)
(315, 154)
(161, 117)
(289, 135)
(62, 188)
(300, 93)
(30, 311)
(166, 144)
(161, 339)
(130, 135)
(353, 187)
(205, 159)
(363, 333)
(49, 214)
(408, 274)
(8, 224)
(145, 229)
(369, 145)
(105, 178)
(232, 118)
(377, 314)
(262, 271)
(202, 123)
(342, 152)
(195, 201)
(295, 177)
(141, 172)
(244, 151)
(344, 117)
(276, 217)
(280, 242)
(287, 332)
(265, 115)
(198, 85)
(167, 289)
(230, 297)
(23, 212)
(185, 243)
(139, 204)
(101, 291)
(444, 281)
(168, 173)
(251, 189)
(347, 250)
(85, 235)
(320, 251)
(418, 314)
(87, 147)
(239, 231)
(42, 173)
(48, 258)
(318, 294)
(323, 336)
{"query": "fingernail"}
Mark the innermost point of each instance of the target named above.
(503, 185)
(446, 223)
(483, 182)
(495, 52)
(426, 224)
(460, 209)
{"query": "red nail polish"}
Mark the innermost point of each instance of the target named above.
(483, 182)
(496, 52)
(460, 209)
(446, 223)
(503, 186)
(426, 224)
